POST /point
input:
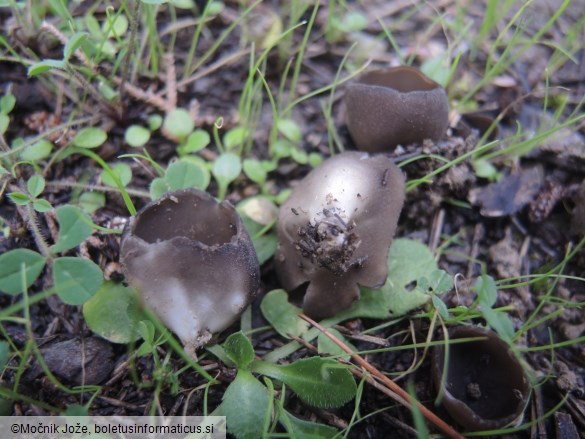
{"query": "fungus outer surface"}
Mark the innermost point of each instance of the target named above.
(193, 263)
(485, 387)
(395, 106)
(336, 228)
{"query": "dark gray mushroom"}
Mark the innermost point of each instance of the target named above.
(395, 106)
(336, 228)
(193, 263)
(485, 387)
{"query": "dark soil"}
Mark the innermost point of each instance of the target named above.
(524, 224)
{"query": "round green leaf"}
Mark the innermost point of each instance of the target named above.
(214, 8)
(37, 151)
(235, 137)
(122, 171)
(115, 26)
(108, 48)
(76, 279)
(226, 168)
(185, 174)
(258, 209)
(354, 22)
(265, 246)
(282, 148)
(155, 122)
(158, 187)
(246, 405)
(106, 90)
(437, 68)
(409, 260)
(485, 169)
(299, 156)
(196, 141)
(255, 171)
(136, 135)
(7, 103)
(290, 129)
(282, 315)
(42, 205)
(91, 137)
(178, 123)
(315, 159)
(35, 185)
(74, 227)
(4, 122)
(19, 198)
(114, 313)
(92, 201)
(93, 26)
(11, 265)
(239, 349)
(183, 4)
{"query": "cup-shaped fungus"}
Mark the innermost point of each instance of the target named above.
(485, 387)
(193, 263)
(395, 106)
(336, 228)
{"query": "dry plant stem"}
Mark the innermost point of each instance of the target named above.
(3, 145)
(96, 187)
(404, 397)
(171, 81)
(145, 96)
(229, 59)
(437, 230)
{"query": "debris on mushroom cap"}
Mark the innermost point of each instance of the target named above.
(395, 106)
(336, 228)
(193, 263)
(485, 387)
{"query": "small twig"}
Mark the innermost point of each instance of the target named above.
(171, 80)
(145, 96)
(404, 397)
(478, 233)
(437, 230)
(3, 145)
(96, 187)
(228, 59)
